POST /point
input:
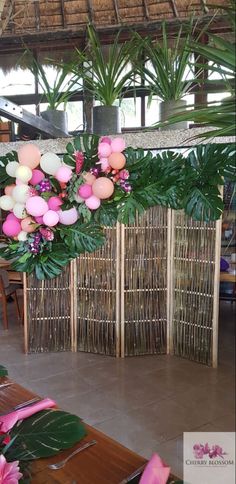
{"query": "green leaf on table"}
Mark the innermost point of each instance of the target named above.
(3, 371)
(45, 434)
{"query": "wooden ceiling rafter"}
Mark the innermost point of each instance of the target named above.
(174, 8)
(90, 11)
(116, 7)
(37, 15)
(146, 10)
(63, 14)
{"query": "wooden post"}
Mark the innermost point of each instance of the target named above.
(122, 291)
(215, 319)
(170, 279)
(25, 309)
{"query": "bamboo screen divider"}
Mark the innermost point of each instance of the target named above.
(152, 288)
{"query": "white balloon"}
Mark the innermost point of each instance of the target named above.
(50, 163)
(19, 210)
(23, 173)
(11, 168)
(6, 202)
(22, 236)
(20, 193)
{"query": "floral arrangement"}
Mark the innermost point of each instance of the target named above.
(59, 207)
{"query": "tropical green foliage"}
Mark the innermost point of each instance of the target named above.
(3, 371)
(107, 73)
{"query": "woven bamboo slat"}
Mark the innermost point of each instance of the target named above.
(48, 313)
(193, 275)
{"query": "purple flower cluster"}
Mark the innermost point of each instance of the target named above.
(126, 186)
(45, 185)
(34, 246)
(95, 171)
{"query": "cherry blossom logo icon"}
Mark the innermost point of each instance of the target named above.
(201, 450)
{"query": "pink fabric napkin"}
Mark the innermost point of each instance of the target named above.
(8, 421)
(156, 472)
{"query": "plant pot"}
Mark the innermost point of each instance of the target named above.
(58, 118)
(170, 108)
(106, 120)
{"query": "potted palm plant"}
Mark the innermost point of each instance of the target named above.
(166, 71)
(107, 73)
(57, 93)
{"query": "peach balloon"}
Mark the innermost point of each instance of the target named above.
(89, 178)
(117, 161)
(103, 188)
(29, 155)
(8, 190)
(28, 225)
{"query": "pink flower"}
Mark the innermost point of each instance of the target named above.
(124, 174)
(216, 451)
(47, 234)
(105, 139)
(9, 471)
(79, 161)
(198, 450)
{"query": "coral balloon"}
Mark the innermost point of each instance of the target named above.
(93, 202)
(103, 188)
(20, 193)
(89, 178)
(85, 191)
(6, 202)
(29, 155)
(68, 217)
(51, 218)
(11, 168)
(22, 236)
(11, 228)
(118, 145)
(8, 190)
(37, 177)
(23, 173)
(104, 150)
(28, 225)
(117, 161)
(19, 210)
(64, 174)
(36, 206)
(50, 163)
(54, 203)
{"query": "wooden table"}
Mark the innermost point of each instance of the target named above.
(227, 277)
(107, 462)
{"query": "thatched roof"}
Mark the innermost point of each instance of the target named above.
(22, 17)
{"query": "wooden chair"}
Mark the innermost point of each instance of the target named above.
(8, 289)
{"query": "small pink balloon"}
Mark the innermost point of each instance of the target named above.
(104, 163)
(54, 203)
(104, 150)
(85, 191)
(29, 155)
(51, 218)
(37, 177)
(8, 189)
(63, 174)
(39, 220)
(103, 188)
(11, 228)
(105, 139)
(93, 202)
(89, 178)
(68, 217)
(11, 216)
(28, 224)
(118, 145)
(36, 206)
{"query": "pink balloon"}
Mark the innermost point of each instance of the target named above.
(85, 191)
(39, 220)
(103, 188)
(54, 203)
(27, 224)
(51, 218)
(37, 177)
(29, 155)
(118, 145)
(104, 150)
(11, 228)
(104, 163)
(11, 216)
(68, 217)
(19, 182)
(8, 189)
(63, 174)
(36, 206)
(105, 139)
(93, 202)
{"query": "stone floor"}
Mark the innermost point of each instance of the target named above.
(146, 403)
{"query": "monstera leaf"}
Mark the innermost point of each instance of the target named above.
(45, 434)
(83, 237)
(204, 203)
(3, 371)
(5, 179)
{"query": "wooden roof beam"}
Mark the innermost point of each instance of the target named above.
(63, 14)
(205, 7)
(146, 11)
(174, 8)
(90, 11)
(116, 7)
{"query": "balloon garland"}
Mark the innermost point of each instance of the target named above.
(58, 207)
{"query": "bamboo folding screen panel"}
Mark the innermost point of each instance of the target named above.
(152, 289)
